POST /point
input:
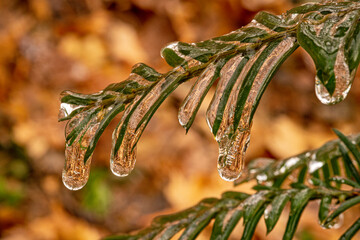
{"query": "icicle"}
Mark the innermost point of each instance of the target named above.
(75, 173)
(123, 161)
(234, 142)
(343, 81)
(231, 155)
(232, 146)
(194, 97)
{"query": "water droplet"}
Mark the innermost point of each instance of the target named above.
(196, 94)
(343, 81)
(231, 155)
(76, 173)
(337, 222)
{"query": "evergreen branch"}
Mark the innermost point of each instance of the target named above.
(269, 201)
(244, 62)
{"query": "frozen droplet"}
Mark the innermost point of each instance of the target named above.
(123, 162)
(336, 222)
(231, 155)
(66, 109)
(121, 165)
(322, 93)
(196, 94)
(76, 173)
(343, 81)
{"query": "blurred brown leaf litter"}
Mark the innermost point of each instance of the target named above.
(51, 45)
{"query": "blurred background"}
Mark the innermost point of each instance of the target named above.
(47, 46)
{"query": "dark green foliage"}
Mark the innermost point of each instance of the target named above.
(276, 207)
(327, 30)
(234, 206)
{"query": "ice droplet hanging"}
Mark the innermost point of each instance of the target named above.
(343, 81)
(134, 120)
(123, 161)
(233, 137)
(76, 173)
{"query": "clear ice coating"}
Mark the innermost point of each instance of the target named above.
(76, 173)
(133, 123)
(195, 95)
(225, 76)
(66, 109)
(343, 81)
(233, 141)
